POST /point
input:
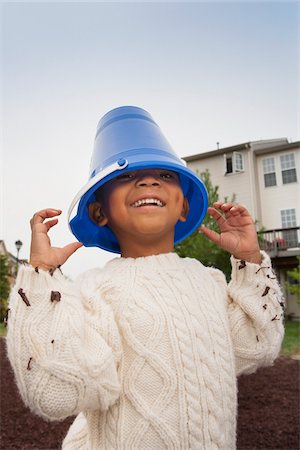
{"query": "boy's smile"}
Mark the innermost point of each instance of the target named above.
(142, 208)
(148, 201)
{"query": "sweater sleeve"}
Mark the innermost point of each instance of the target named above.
(255, 310)
(63, 345)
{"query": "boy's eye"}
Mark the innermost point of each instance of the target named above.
(167, 175)
(132, 175)
(126, 176)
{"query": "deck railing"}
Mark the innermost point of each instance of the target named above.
(279, 240)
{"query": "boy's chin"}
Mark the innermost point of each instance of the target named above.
(155, 227)
(154, 235)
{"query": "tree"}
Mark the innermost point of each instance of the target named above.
(4, 286)
(199, 246)
(294, 281)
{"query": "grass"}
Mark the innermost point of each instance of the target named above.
(291, 341)
(290, 345)
(2, 329)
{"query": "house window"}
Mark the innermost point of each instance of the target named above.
(229, 168)
(238, 162)
(269, 172)
(288, 168)
(234, 163)
(288, 220)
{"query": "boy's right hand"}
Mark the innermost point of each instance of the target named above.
(42, 255)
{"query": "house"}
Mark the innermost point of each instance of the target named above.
(265, 176)
(13, 262)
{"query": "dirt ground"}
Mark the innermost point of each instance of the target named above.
(268, 416)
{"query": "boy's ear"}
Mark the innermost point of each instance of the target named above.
(185, 210)
(97, 214)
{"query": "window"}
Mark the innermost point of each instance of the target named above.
(269, 172)
(238, 162)
(288, 220)
(234, 163)
(229, 168)
(288, 168)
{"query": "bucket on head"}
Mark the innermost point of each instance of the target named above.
(127, 138)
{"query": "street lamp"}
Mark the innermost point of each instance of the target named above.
(18, 245)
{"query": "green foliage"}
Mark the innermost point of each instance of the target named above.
(199, 246)
(291, 341)
(293, 284)
(2, 329)
(4, 286)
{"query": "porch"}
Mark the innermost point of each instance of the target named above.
(283, 246)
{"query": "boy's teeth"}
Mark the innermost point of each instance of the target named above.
(147, 201)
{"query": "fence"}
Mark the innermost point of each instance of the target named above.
(281, 239)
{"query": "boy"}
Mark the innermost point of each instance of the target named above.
(146, 351)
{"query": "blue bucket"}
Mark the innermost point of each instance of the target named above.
(127, 139)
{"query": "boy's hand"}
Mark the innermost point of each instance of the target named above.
(238, 234)
(42, 255)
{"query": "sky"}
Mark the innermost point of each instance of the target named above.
(207, 72)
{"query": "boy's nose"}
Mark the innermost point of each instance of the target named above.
(148, 178)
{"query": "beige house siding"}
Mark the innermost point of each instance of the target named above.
(279, 197)
(240, 184)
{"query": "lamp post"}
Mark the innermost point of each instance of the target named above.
(18, 245)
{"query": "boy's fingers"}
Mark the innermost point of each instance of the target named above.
(222, 206)
(212, 235)
(43, 227)
(233, 212)
(243, 210)
(219, 218)
(217, 204)
(229, 206)
(50, 223)
(40, 216)
(226, 207)
(69, 249)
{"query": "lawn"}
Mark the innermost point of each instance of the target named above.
(291, 342)
(2, 329)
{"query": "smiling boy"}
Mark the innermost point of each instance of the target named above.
(146, 350)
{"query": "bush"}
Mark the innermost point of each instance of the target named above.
(199, 246)
(4, 286)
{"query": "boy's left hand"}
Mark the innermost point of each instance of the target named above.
(238, 234)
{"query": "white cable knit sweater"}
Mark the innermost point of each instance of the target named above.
(146, 351)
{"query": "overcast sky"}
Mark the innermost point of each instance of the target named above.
(207, 72)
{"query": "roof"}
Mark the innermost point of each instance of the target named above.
(258, 147)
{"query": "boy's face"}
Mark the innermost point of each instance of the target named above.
(141, 207)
